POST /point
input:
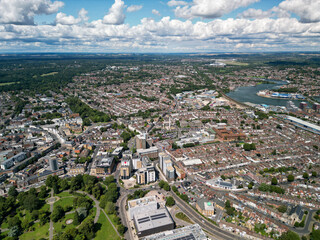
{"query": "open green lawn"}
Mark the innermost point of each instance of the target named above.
(66, 201)
(106, 230)
(40, 232)
(45, 207)
(183, 217)
(64, 194)
(111, 216)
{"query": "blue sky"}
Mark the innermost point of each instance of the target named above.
(159, 26)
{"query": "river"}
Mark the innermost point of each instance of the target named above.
(249, 94)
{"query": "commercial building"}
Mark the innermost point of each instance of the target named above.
(150, 152)
(191, 232)
(154, 221)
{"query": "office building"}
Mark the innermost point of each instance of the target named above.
(53, 164)
(126, 168)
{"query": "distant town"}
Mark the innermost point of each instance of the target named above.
(160, 147)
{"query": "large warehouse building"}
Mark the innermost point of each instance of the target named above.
(150, 222)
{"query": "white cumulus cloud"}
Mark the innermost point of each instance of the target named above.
(23, 11)
(307, 10)
(156, 12)
(210, 9)
(258, 13)
(64, 19)
(173, 3)
(116, 14)
(134, 8)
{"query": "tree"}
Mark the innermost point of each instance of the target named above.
(110, 208)
(108, 180)
(57, 213)
(87, 228)
(289, 236)
(82, 212)
(170, 201)
(314, 174)
(14, 232)
(250, 186)
(184, 197)
(76, 218)
(13, 191)
(274, 181)
(166, 187)
(121, 229)
(315, 235)
(43, 192)
(55, 188)
(31, 202)
(64, 184)
(161, 184)
(97, 191)
(51, 180)
(290, 178)
(14, 221)
(305, 175)
(227, 204)
(282, 208)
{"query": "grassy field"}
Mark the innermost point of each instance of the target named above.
(106, 230)
(235, 63)
(49, 74)
(66, 201)
(40, 232)
(183, 217)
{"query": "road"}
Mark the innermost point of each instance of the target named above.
(204, 223)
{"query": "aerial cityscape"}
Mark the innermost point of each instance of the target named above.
(160, 120)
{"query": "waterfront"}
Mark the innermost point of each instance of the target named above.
(249, 94)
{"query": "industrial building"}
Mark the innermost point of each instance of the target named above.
(191, 232)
